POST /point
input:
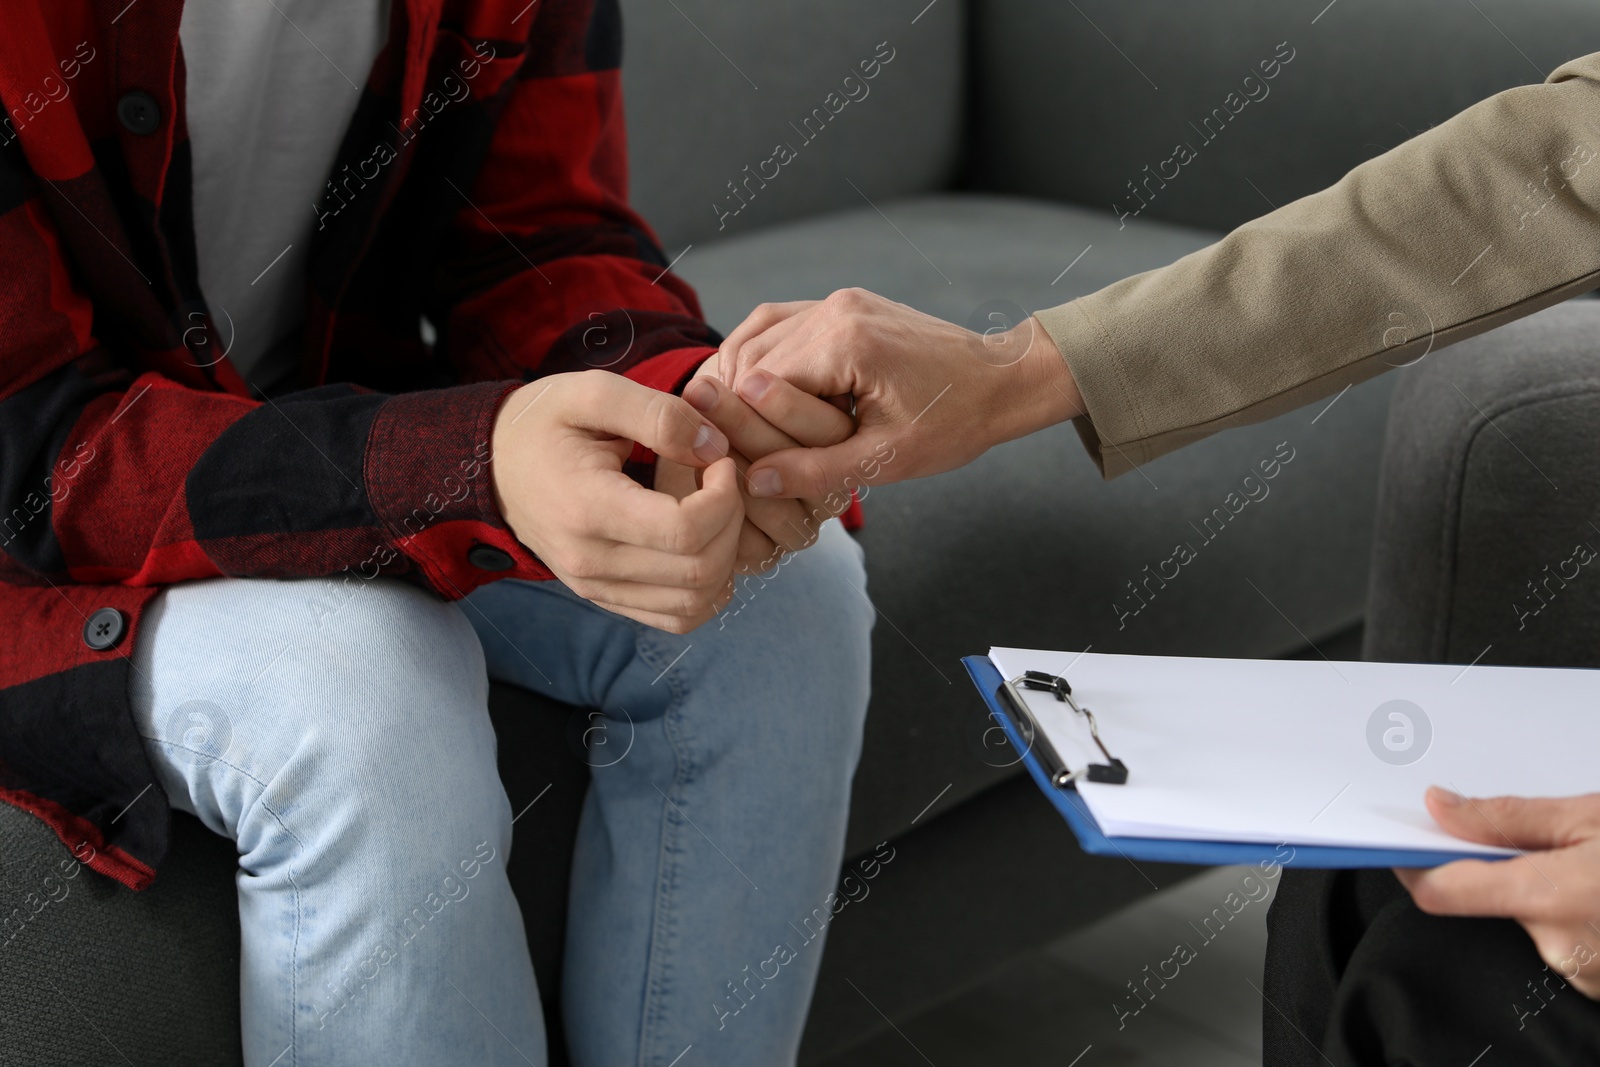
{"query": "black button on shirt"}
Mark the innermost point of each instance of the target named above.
(489, 558)
(104, 629)
(139, 113)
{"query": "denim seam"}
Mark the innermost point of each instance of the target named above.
(657, 977)
(294, 954)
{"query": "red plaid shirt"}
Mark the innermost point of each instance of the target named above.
(482, 183)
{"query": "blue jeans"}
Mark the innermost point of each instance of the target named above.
(339, 733)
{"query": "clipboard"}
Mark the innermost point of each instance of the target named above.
(1058, 783)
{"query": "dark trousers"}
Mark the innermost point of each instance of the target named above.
(1356, 975)
(1491, 481)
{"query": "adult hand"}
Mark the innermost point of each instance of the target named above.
(929, 394)
(559, 445)
(771, 527)
(1552, 889)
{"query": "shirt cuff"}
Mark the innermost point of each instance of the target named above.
(427, 471)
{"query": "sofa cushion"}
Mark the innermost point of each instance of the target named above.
(1027, 546)
(1067, 104)
(713, 88)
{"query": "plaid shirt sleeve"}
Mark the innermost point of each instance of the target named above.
(548, 268)
(151, 481)
(118, 478)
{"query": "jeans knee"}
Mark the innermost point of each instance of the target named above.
(387, 692)
(394, 648)
(327, 706)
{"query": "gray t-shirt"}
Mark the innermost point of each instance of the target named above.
(272, 87)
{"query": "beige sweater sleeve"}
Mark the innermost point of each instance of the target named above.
(1490, 216)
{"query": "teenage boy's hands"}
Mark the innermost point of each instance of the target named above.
(771, 526)
(559, 445)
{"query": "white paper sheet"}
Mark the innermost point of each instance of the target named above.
(1277, 751)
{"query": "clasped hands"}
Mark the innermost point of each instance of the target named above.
(666, 558)
(745, 475)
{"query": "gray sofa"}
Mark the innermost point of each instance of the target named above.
(986, 166)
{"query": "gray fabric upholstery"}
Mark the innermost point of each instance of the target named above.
(91, 974)
(1028, 545)
(1062, 113)
(951, 255)
(1490, 481)
(695, 122)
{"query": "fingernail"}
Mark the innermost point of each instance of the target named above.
(766, 483)
(1447, 797)
(701, 395)
(754, 385)
(709, 444)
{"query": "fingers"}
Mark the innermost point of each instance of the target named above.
(624, 511)
(1516, 822)
(787, 417)
(612, 405)
(649, 555)
(829, 349)
(764, 317)
(1569, 951)
(1508, 888)
(635, 599)
(756, 348)
(770, 527)
(810, 420)
(672, 624)
(748, 433)
(756, 550)
(1503, 889)
(815, 472)
(584, 569)
(787, 524)
(1555, 881)
(676, 610)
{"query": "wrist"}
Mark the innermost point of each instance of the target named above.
(1037, 389)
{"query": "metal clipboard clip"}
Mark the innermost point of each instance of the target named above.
(1112, 772)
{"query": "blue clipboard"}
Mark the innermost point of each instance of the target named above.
(1163, 850)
